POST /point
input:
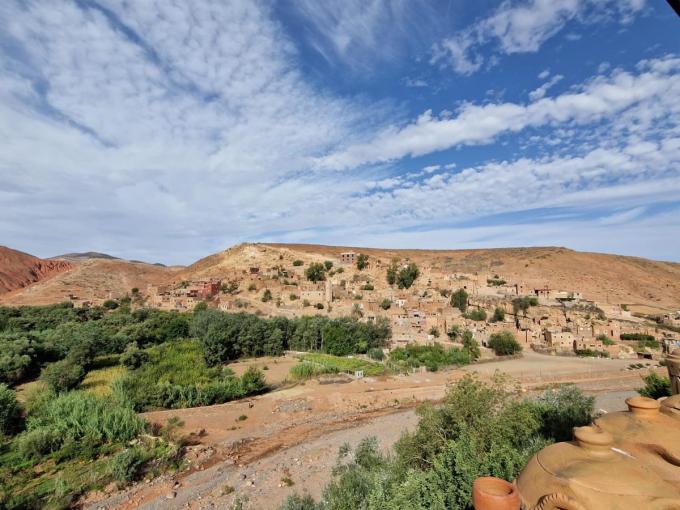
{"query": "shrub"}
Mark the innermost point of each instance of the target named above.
(590, 353)
(127, 465)
(63, 375)
(504, 343)
(476, 315)
(434, 331)
(433, 357)
(305, 303)
(36, 443)
(386, 304)
(297, 502)
(606, 340)
(498, 315)
(306, 370)
(293, 297)
(563, 409)
(297, 263)
(407, 275)
(459, 299)
(328, 264)
(133, 357)
(376, 354)
(252, 287)
(636, 336)
(267, 296)
(319, 306)
(367, 286)
(470, 345)
(10, 411)
(315, 272)
(362, 262)
(655, 386)
(110, 304)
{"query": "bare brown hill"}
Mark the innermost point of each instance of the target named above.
(19, 269)
(601, 277)
(91, 280)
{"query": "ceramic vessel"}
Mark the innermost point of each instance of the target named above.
(489, 493)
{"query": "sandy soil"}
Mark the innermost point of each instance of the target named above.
(276, 370)
(296, 432)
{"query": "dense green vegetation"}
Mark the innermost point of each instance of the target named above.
(407, 275)
(480, 429)
(315, 272)
(504, 343)
(591, 353)
(522, 304)
(476, 315)
(334, 364)
(640, 337)
(362, 262)
(73, 442)
(655, 386)
(459, 299)
(433, 357)
(226, 337)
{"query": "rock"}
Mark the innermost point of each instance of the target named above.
(171, 495)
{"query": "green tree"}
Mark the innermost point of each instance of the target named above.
(454, 332)
(407, 275)
(504, 343)
(10, 411)
(328, 264)
(266, 296)
(362, 262)
(385, 304)
(63, 375)
(133, 357)
(459, 299)
(315, 272)
(471, 345)
(392, 271)
(498, 315)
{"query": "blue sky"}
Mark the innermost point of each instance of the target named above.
(166, 130)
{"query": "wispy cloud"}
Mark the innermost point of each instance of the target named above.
(655, 85)
(523, 26)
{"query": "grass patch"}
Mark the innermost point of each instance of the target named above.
(341, 364)
(431, 356)
(98, 382)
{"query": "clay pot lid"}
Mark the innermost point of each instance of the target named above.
(643, 406)
(593, 438)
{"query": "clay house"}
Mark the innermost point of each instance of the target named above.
(349, 257)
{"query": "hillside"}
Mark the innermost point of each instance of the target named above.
(92, 279)
(600, 277)
(79, 257)
(19, 269)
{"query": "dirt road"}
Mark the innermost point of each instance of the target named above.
(293, 435)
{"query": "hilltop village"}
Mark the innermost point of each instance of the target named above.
(422, 304)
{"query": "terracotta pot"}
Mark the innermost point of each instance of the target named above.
(489, 493)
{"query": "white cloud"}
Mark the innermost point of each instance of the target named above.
(540, 92)
(523, 26)
(612, 96)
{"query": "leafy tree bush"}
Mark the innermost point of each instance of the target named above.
(636, 336)
(392, 271)
(498, 315)
(459, 299)
(328, 264)
(563, 409)
(407, 275)
(297, 502)
(433, 357)
(319, 306)
(267, 296)
(10, 411)
(504, 343)
(292, 297)
(110, 304)
(454, 332)
(133, 357)
(522, 304)
(655, 386)
(362, 262)
(606, 340)
(470, 345)
(297, 263)
(476, 315)
(63, 375)
(315, 272)
(367, 286)
(434, 331)
(385, 304)
(376, 354)
(127, 465)
(480, 429)
(590, 353)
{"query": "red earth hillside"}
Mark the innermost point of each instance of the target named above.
(18, 269)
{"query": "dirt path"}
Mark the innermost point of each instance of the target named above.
(295, 433)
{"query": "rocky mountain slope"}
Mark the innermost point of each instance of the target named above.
(19, 269)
